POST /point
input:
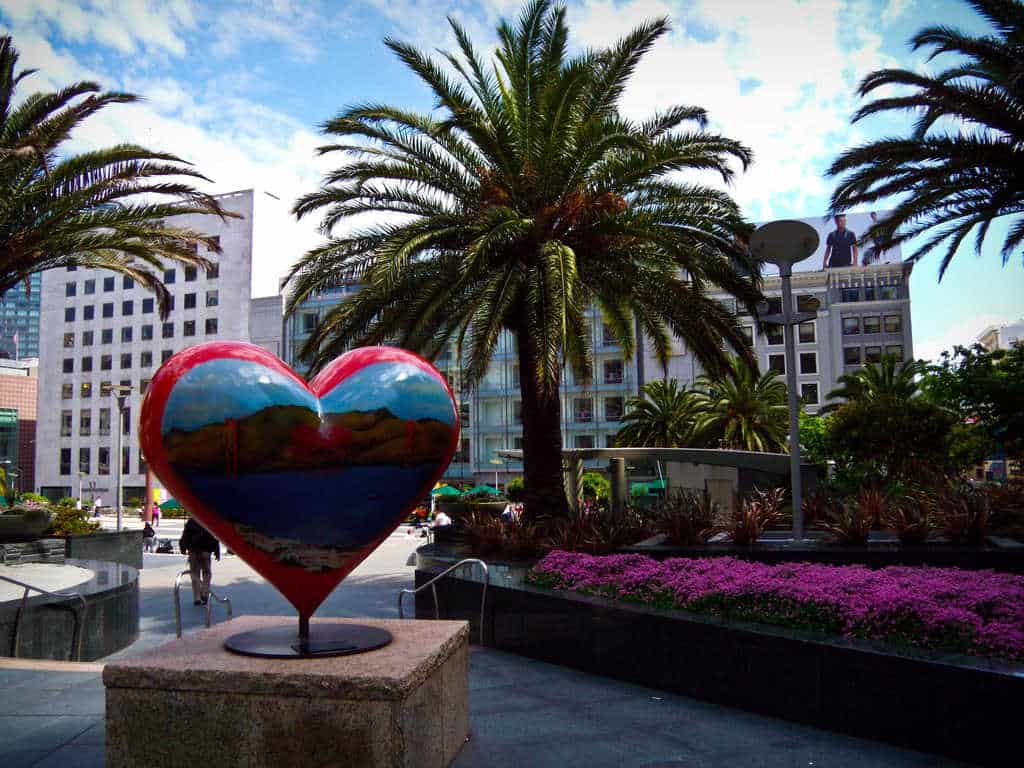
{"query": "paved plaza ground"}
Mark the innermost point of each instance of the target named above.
(522, 712)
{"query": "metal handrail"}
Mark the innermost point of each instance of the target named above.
(76, 637)
(433, 588)
(209, 605)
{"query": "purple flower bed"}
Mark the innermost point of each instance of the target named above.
(976, 612)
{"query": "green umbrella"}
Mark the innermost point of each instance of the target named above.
(171, 504)
(484, 489)
(639, 489)
(445, 490)
(657, 485)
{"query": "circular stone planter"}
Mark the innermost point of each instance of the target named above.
(24, 527)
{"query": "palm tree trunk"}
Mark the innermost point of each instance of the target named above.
(543, 485)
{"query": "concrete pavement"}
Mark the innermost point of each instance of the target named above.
(522, 712)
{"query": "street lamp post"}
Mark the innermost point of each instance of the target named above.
(121, 393)
(785, 243)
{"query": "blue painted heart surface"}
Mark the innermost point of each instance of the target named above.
(302, 481)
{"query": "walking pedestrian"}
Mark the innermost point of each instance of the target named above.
(198, 543)
(156, 514)
(148, 538)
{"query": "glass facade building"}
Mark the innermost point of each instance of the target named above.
(19, 320)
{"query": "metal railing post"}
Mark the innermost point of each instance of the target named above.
(433, 587)
(77, 635)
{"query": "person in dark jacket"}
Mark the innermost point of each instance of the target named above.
(198, 543)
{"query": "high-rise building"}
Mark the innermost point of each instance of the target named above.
(1002, 336)
(102, 329)
(18, 402)
(19, 320)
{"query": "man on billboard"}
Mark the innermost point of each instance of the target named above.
(840, 246)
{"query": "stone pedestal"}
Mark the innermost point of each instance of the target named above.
(191, 702)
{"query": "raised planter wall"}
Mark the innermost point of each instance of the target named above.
(124, 547)
(952, 705)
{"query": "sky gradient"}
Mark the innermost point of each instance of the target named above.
(240, 89)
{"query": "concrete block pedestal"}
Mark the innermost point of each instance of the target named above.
(193, 702)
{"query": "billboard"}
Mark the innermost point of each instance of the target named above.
(841, 243)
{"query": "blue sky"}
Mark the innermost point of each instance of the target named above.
(239, 88)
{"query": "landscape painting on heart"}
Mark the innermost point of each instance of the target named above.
(305, 479)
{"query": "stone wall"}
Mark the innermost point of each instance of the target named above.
(123, 547)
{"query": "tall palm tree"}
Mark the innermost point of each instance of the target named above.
(743, 409)
(662, 416)
(103, 208)
(955, 180)
(888, 380)
(523, 199)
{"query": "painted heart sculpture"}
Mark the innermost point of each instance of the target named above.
(302, 481)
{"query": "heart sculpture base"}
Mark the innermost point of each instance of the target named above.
(324, 641)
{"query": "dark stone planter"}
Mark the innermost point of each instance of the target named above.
(124, 547)
(25, 527)
(962, 707)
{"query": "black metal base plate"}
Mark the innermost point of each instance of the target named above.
(324, 640)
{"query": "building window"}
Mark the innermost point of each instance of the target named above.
(107, 336)
(89, 312)
(805, 302)
(65, 423)
(729, 305)
(309, 320)
(165, 355)
(888, 292)
(103, 460)
(84, 463)
(126, 421)
(167, 331)
(464, 454)
(517, 412)
(126, 460)
(90, 287)
(70, 289)
(143, 386)
(188, 328)
(808, 362)
(851, 326)
(126, 360)
(849, 294)
(608, 338)
(216, 241)
(169, 277)
(106, 362)
(126, 334)
(806, 331)
(105, 389)
(583, 441)
(69, 314)
(108, 309)
(612, 408)
(212, 298)
(213, 272)
(146, 332)
(774, 333)
(65, 461)
(515, 374)
(69, 365)
(86, 390)
(582, 410)
(127, 283)
(872, 324)
(67, 391)
(896, 350)
(86, 365)
(147, 306)
(777, 363)
(809, 394)
(146, 359)
(869, 291)
(104, 422)
(211, 326)
(69, 340)
(774, 305)
(190, 301)
(127, 308)
(108, 284)
(893, 323)
(87, 337)
(85, 423)
(872, 354)
(851, 355)
(747, 332)
(190, 274)
(612, 371)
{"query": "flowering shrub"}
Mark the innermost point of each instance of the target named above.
(977, 612)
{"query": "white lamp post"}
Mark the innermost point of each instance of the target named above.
(785, 243)
(121, 393)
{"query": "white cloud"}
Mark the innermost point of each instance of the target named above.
(962, 332)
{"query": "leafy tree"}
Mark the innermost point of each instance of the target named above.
(985, 390)
(103, 208)
(662, 416)
(744, 410)
(595, 486)
(522, 199)
(888, 380)
(814, 438)
(962, 166)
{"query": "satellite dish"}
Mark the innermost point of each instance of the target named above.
(784, 242)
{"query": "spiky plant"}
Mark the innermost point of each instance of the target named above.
(962, 166)
(888, 380)
(743, 409)
(521, 200)
(103, 208)
(662, 416)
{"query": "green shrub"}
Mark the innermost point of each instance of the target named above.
(69, 521)
(595, 486)
(515, 489)
(38, 498)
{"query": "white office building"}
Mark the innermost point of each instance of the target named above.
(100, 329)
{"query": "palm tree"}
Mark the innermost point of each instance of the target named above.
(889, 380)
(743, 410)
(955, 181)
(662, 416)
(103, 208)
(521, 201)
